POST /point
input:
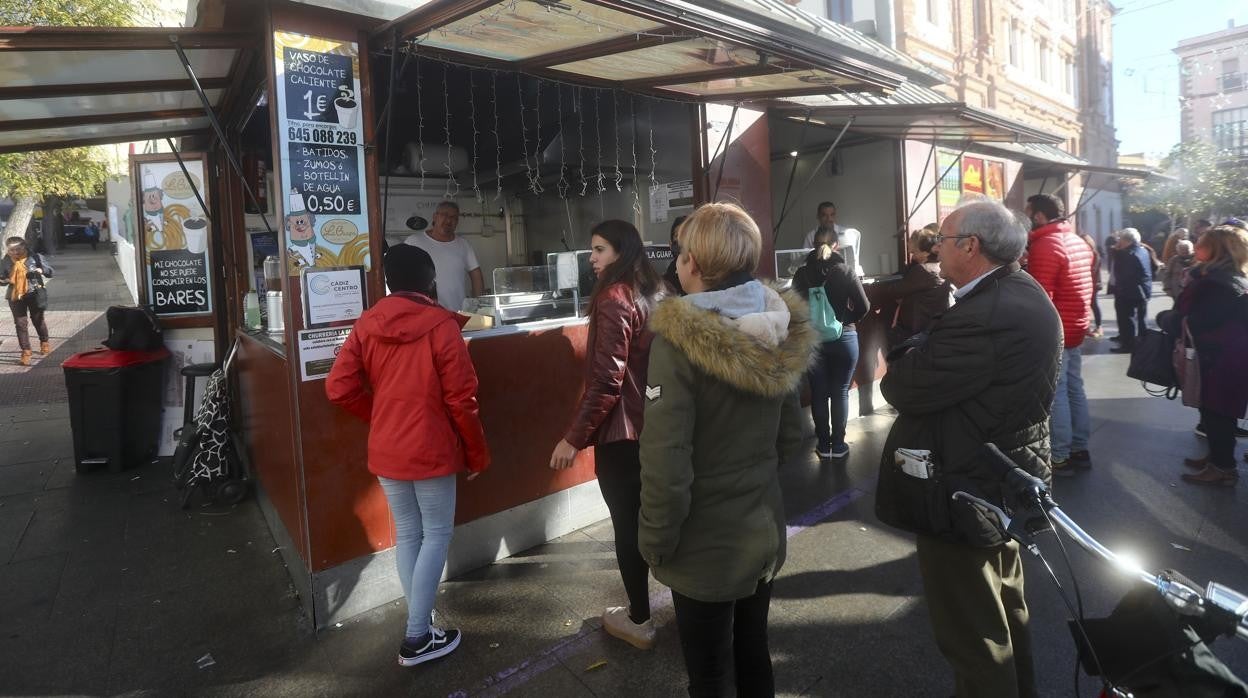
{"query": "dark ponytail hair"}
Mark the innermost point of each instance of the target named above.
(632, 267)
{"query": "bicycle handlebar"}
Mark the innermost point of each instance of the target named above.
(1223, 605)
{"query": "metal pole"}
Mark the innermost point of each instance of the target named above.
(1063, 185)
(815, 171)
(937, 184)
(202, 206)
(385, 156)
(788, 188)
(931, 153)
(216, 126)
(726, 142)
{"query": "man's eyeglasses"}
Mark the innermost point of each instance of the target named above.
(942, 238)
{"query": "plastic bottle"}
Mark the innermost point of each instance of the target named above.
(251, 310)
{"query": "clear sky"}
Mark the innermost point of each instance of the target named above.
(1146, 70)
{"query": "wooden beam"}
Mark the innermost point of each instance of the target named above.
(620, 44)
(109, 88)
(118, 38)
(94, 119)
(438, 13)
(738, 71)
(101, 140)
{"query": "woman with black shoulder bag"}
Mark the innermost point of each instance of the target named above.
(25, 275)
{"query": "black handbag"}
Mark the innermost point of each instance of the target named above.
(39, 298)
(1152, 363)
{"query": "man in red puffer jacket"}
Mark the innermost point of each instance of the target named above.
(1062, 264)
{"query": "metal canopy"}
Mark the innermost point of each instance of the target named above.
(706, 51)
(1044, 160)
(62, 87)
(912, 112)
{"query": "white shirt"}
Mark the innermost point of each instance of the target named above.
(451, 262)
(849, 243)
(958, 294)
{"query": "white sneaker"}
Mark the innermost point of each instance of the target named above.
(616, 622)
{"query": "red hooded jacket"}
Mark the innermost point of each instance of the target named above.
(1062, 263)
(405, 370)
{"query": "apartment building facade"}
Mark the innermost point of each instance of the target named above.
(1213, 70)
(1047, 63)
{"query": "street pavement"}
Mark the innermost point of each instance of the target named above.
(109, 588)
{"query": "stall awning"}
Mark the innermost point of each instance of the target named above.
(911, 112)
(62, 87)
(1042, 160)
(704, 51)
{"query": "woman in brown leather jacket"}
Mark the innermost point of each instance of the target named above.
(610, 414)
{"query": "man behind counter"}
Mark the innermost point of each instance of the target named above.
(453, 258)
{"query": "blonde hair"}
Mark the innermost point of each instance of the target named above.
(723, 239)
(1228, 246)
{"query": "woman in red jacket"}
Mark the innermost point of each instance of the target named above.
(610, 414)
(405, 370)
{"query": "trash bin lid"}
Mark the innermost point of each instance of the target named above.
(109, 358)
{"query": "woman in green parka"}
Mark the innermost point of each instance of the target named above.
(721, 408)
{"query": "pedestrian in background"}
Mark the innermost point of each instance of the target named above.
(833, 370)
(1174, 276)
(1214, 308)
(985, 374)
(405, 370)
(1095, 332)
(613, 407)
(24, 276)
(1133, 286)
(721, 412)
(93, 234)
(921, 293)
(670, 275)
(1062, 263)
(1172, 242)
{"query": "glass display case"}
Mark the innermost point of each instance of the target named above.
(525, 294)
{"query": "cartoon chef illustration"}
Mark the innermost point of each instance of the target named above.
(153, 211)
(300, 233)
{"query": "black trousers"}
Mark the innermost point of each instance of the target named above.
(20, 308)
(1131, 314)
(717, 635)
(618, 465)
(1220, 432)
(1096, 309)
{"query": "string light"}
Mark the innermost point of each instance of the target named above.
(524, 132)
(598, 141)
(564, 185)
(653, 153)
(537, 143)
(446, 119)
(632, 142)
(472, 110)
(615, 126)
(498, 138)
(580, 136)
(420, 127)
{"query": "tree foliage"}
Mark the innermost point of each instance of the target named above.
(1201, 183)
(76, 13)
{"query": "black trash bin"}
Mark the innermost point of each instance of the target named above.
(115, 406)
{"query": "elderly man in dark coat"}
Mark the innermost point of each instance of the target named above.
(986, 372)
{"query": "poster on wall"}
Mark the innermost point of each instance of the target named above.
(321, 135)
(973, 175)
(332, 295)
(175, 234)
(318, 349)
(950, 190)
(994, 180)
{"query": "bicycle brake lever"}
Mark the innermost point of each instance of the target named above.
(1012, 527)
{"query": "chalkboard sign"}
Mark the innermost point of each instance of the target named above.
(327, 176)
(317, 85)
(179, 282)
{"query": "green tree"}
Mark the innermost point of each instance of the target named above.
(28, 177)
(1200, 182)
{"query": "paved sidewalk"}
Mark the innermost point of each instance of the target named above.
(109, 588)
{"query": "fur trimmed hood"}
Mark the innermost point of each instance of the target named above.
(765, 352)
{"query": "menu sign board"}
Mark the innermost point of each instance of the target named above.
(322, 137)
(949, 174)
(175, 235)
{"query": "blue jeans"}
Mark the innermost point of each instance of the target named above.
(1069, 422)
(424, 518)
(829, 384)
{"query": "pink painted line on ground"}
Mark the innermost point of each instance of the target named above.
(517, 675)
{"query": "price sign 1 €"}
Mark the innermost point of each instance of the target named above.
(316, 105)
